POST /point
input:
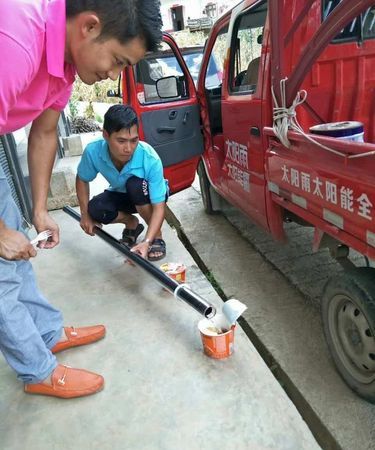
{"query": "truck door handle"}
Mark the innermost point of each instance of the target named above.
(172, 114)
(254, 131)
(186, 115)
(166, 130)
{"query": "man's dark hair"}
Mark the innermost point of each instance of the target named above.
(119, 117)
(124, 19)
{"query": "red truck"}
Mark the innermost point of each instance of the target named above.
(236, 129)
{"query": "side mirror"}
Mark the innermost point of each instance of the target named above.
(168, 87)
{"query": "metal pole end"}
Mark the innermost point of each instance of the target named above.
(210, 312)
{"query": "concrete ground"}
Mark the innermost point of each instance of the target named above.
(161, 391)
(287, 326)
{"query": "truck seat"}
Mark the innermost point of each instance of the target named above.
(251, 75)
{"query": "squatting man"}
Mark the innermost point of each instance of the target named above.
(135, 174)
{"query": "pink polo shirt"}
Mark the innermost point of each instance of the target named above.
(33, 74)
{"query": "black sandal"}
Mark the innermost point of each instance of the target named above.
(130, 236)
(157, 246)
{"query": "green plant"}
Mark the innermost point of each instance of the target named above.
(95, 93)
(187, 39)
(73, 108)
(97, 90)
(99, 118)
(89, 111)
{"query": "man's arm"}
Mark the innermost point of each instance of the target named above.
(83, 194)
(41, 157)
(156, 221)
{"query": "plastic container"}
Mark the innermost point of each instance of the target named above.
(349, 131)
(177, 271)
(216, 345)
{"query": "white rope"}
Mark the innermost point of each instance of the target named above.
(285, 119)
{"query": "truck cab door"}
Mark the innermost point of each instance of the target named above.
(242, 107)
(161, 90)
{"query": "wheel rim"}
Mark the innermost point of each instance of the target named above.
(352, 338)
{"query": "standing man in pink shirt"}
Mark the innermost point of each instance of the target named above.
(43, 45)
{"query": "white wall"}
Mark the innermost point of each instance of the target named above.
(192, 9)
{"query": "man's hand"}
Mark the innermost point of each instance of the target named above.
(87, 224)
(14, 245)
(43, 221)
(141, 249)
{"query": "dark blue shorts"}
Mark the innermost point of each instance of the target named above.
(104, 208)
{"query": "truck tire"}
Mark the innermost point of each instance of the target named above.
(348, 312)
(206, 190)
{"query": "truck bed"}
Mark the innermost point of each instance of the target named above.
(336, 194)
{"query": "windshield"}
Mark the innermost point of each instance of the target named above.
(164, 64)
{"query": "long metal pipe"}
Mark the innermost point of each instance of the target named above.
(181, 291)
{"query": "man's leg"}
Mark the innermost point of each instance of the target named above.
(47, 319)
(115, 207)
(139, 198)
(105, 208)
(20, 339)
(137, 189)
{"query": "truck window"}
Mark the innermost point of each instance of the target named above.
(153, 67)
(213, 81)
(214, 74)
(246, 50)
(368, 23)
(193, 60)
(360, 28)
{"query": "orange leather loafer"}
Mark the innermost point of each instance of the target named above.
(68, 383)
(79, 336)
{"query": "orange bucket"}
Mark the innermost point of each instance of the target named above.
(216, 345)
(176, 271)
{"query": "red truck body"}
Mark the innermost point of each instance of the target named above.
(326, 48)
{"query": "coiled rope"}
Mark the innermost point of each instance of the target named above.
(285, 119)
